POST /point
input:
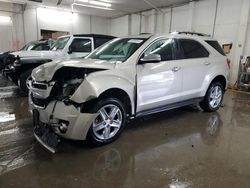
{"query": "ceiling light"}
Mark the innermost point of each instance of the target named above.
(100, 3)
(5, 19)
(92, 6)
(107, 1)
(83, 1)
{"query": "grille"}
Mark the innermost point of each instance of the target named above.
(39, 85)
(39, 102)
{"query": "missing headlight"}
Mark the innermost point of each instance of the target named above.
(70, 87)
(67, 80)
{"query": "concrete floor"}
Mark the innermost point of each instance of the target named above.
(177, 149)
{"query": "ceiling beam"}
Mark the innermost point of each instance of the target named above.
(153, 6)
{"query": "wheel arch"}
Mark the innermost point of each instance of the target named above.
(221, 79)
(218, 78)
(119, 94)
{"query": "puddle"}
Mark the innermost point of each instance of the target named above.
(179, 184)
(10, 131)
(6, 117)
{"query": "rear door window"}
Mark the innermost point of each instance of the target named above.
(193, 49)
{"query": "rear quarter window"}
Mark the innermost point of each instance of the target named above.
(216, 46)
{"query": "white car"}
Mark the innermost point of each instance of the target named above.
(91, 99)
(19, 65)
(68, 46)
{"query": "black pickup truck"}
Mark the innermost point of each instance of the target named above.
(66, 47)
(9, 57)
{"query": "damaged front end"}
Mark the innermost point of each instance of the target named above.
(61, 87)
(55, 111)
(6, 60)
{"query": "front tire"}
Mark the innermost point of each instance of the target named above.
(109, 123)
(213, 98)
(23, 81)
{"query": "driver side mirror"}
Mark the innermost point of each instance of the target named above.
(150, 58)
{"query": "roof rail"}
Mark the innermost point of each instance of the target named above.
(191, 33)
(145, 33)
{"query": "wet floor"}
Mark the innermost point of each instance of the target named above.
(177, 149)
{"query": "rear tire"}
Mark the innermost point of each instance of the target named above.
(109, 123)
(213, 98)
(22, 82)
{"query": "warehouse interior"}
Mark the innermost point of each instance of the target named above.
(227, 21)
(179, 148)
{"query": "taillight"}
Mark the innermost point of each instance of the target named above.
(228, 63)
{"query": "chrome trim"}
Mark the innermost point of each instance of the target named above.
(28, 84)
(40, 83)
(41, 93)
(36, 106)
(39, 107)
(45, 145)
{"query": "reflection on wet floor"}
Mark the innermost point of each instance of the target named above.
(7, 89)
(15, 130)
(6, 116)
(178, 148)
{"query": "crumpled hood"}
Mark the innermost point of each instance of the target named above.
(46, 71)
(41, 54)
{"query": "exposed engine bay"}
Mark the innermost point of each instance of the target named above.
(64, 83)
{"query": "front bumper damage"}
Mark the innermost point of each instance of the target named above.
(60, 113)
(59, 120)
(43, 134)
(6, 59)
(10, 73)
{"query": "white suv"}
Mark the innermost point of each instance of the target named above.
(91, 99)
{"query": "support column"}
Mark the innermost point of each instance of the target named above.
(129, 24)
(18, 38)
(152, 21)
(190, 16)
(240, 44)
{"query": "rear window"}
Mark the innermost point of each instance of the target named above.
(216, 46)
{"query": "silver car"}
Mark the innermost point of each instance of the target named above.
(92, 98)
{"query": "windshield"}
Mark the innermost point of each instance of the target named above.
(117, 49)
(60, 43)
(28, 46)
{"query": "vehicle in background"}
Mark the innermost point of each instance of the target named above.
(92, 98)
(7, 58)
(65, 48)
(38, 45)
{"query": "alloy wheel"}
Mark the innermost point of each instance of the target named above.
(215, 98)
(108, 122)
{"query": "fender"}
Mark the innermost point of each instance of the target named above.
(97, 83)
(212, 74)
